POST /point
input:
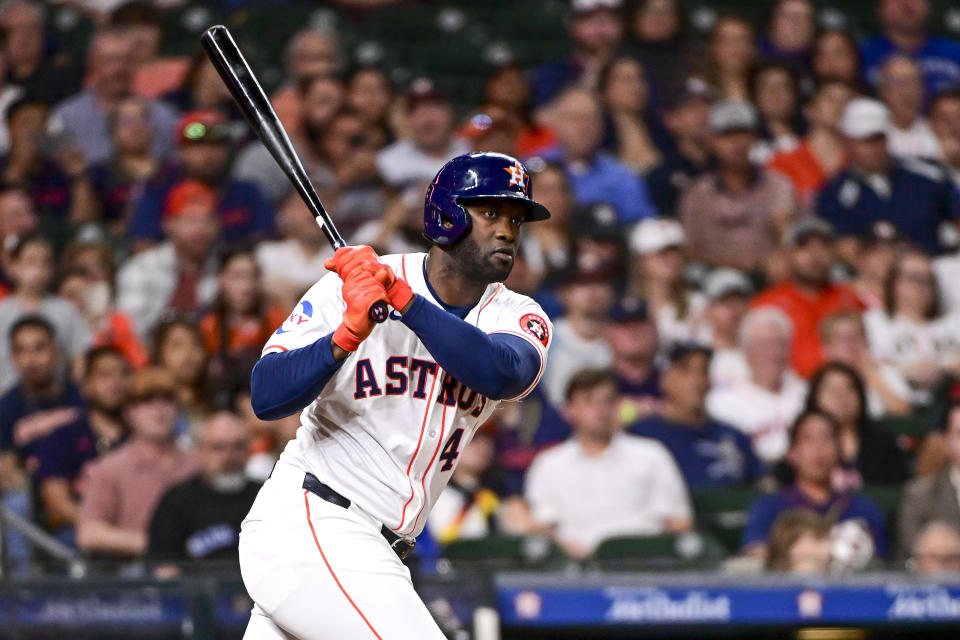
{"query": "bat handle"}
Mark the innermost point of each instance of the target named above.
(378, 312)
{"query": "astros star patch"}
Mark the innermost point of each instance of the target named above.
(536, 326)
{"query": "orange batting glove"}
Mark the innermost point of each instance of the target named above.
(359, 257)
(360, 291)
(399, 293)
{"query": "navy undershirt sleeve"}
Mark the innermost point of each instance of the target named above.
(283, 383)
(497, 366)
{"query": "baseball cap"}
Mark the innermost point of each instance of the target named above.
(679, 350)
(152, 382)
(655, 234)
(423, 90)
(581, 7)
(803, 229)
(586, 275)
(723, 282)
(732, 115)
(629, 309)
(598, 221)
(202, 126)
(189, 193)
(865, 118)
(690, 89)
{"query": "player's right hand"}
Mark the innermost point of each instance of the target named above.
(354, 258)
(360, 292)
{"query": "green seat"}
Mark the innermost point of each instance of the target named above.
(723, 513)
(503, 549)
(695, 548)
(887, 497)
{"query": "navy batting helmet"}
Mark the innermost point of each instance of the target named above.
(483, 174)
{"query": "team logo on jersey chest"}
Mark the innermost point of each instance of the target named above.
(536, 326)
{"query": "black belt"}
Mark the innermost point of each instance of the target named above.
(400, 545)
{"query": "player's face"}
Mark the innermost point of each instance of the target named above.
(487, 253)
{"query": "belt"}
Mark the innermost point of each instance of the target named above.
(401, 546)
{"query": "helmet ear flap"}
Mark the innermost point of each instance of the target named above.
(444, 219)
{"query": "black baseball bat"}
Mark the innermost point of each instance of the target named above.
(248, 94)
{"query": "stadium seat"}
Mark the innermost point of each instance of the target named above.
(723, 513)
(887, 497)
(528, 550)
(691, 549)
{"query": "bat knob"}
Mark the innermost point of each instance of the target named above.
(379, 312)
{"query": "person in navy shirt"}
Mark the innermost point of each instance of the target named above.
(62, 456)
(915, 196)
(203, 152)
(814, 456)
(709, 453)
(904, 26)
(577, 120)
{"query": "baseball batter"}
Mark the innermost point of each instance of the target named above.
(387, 409)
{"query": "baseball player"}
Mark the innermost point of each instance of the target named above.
(387, 408)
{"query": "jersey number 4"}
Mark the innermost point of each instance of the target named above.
(452, 450)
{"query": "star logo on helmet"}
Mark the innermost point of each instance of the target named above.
(517, 175)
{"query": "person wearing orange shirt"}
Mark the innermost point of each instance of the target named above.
(807, 295)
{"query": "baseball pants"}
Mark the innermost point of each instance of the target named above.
(317, 571)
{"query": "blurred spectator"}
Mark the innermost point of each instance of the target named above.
(660, 43)
(936, 551)
(199, 518)
(62, 458)
(118, 179)
(686, 114)
(947, 269)
(153, 75)
(935, 496)
(869, 455)
(321, 100)
(734, 215)
(17, 219)
(814, 456)
(900, 87)
(775, 90)
(903, 26)
(84, 116)
(509, 89)
(598, 241)
(578, 343)
(177, 275)
(400, 229)
(944, 113)
(844, 339)
(9, 94)
(293, 264)
(548, 247)
(799, 543)
(201, 89)
(727, 292)
(29, 65)
(370, 97)
(657, 276)
(874, 255)
(416, 160)
(602, 483)
(469, 506)
(632, 336)
(30, 268)
(178, 350)
(203, 155)
(910, 331)
(763, 405)
(631, 129)
(44, 399)
(311, 52)
(808, 295)
(790, 32)
(241, 318)
(577, 120)
(709, 453)
(596, 30)
(836, 58)
(124, 486)
(731, 53)
(915, 196)
(48, 164)
(820, 154)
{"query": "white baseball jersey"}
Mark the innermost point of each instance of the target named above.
(389, 426)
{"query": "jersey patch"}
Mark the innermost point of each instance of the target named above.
(303, 313)
(536, 326)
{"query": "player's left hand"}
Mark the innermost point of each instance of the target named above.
(360, 292)
(359, 257)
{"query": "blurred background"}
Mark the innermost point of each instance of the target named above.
(749, 425)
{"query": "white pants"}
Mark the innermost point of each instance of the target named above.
(318, 571)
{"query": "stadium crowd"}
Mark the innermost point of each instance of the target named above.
(752, 267)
